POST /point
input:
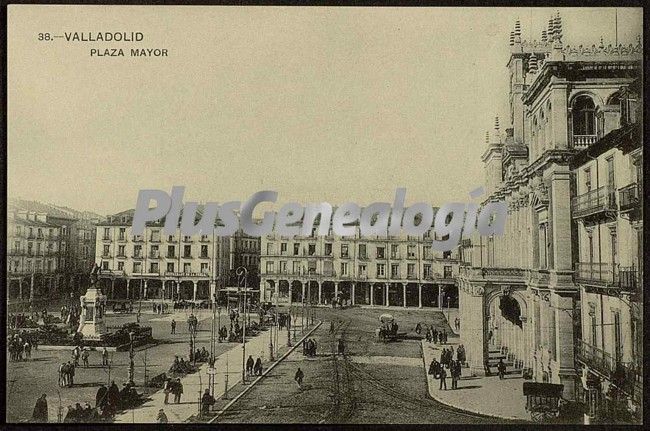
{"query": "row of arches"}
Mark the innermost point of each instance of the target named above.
(362, 293)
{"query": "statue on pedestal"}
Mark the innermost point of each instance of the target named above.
(93, 304)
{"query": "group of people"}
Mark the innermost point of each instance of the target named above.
(175, 387)
(434, 336)
(201, 355)
(440, 370)
(110, 399)
(501, 368)
(253, 368)
(78, 414)
(160, 308)
(180, 366)
(19, 346)
(309, 347)
(66, 374)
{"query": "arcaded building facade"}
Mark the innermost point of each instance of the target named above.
(400, 271)
(518, 292)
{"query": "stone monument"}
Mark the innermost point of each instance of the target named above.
(93, 303)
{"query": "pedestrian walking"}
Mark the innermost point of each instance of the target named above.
(250, 363)
(28, 350)
(443, 378)
(173, 326)
(207, 401)
(258, 367)
(167, 389)
(62, 375)
(70, 374)
(40, 410)
(84, 358)
(501, 368)
(298, 377)
(162, 417)
(178, 391)
(104, 357)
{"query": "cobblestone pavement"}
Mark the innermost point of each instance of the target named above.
(362, 386)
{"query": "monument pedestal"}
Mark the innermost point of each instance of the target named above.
(91, 321)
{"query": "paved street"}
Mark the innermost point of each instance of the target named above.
(374, 382)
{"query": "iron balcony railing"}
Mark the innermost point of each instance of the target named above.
(594, 201)
(596, 272)
(629, 197)
(608, 275)
(584, 141)
(624, 375)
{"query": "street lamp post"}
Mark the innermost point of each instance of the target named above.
(131, 361)
(242, 272)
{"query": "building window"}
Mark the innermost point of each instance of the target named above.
(410, 249)
(362, 251)
(204, 268)
(312, 249)
(187, 268)
(344, 250)
(394, 270)
(171, 251)
(120, 266)
(447, 271)
(618, 338)
(296, 267)
(588, 179)
(154, 251)
(381, 270)
(394, 251)
(187, 251)
(104, 265)
(380, 252)
(122, 233)
(270, 248)
(170, 267)
(427, 270)
(611, 183)
(270, 267)
(153, 268)
(155, 235)
(296, 249)
(410, 270)
(328, 249)
(362, 270)
(583, 115)
(107, 250)
(344, 268)
(120, 251)
(283, 248)
(204, 251)
(107, 233)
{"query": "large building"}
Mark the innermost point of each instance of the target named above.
(169, 267)
(518, 291)
(50, 249)
(380, 271)
(608, 271)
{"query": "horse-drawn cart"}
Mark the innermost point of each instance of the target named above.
(542, 400)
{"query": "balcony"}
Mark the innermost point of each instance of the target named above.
(171, 256)
(121, 238)
(204, 256)
(154, 239)
(595, 202)
(629, 279)
(137, 256)
(154, 255)
(604, 274)
(583, 141)
(629, 197)
(106, 238)
(624, 375)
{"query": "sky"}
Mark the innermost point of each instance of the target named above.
(316, 103)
